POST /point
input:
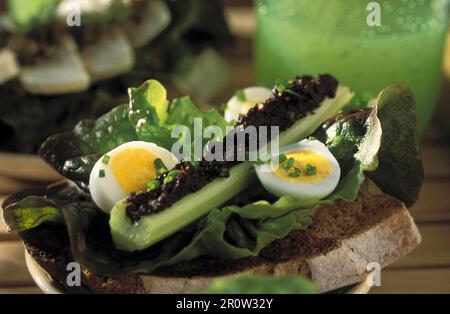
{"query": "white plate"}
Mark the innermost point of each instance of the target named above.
(40, 276)
(48, 286)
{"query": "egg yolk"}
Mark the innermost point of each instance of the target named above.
(303, 158)
(133, 169)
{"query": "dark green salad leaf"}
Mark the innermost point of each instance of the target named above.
(145, 118)
(381, 141)
(400, 172)
(246, 284)
(31, 212)
(354, 138)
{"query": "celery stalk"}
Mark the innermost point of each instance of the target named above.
(154, 228)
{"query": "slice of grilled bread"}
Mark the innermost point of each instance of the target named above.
(334, 251)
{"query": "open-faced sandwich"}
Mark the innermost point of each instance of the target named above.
(150, 207)
(62, 61)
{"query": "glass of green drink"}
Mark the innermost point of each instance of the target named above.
(337, 37)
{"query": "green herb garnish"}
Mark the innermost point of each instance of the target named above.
(240, 95)
(106, 159)
(153, 185)
(289, 164)
(172, 175)
(102, 173)
(310, 170)
(160, 166)
(282, 158)
(280, 87)
(296, 173)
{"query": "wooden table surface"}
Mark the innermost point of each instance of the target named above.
(427, 269)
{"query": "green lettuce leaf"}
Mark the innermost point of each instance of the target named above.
(246, 284)
(400, 170)
(150, 96)
(354, 139)
(183, 112)
(29, 209)
(26, 14)
(217, 235)
(235, 232)
(380, 142)
(31, 213)
(145, 118)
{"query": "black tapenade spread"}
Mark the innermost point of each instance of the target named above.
(287, 105)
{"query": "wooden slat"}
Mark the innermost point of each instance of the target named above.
(434, 251)
(21, 290)
(436, 160)
(9, 185)
(13, 270)
(437, 133)
(434, 202)
(414, 281)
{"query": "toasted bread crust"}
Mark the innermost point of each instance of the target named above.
(334, 251)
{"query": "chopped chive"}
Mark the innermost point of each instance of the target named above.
(102, 173)
(172, 175)
(289, 164)
(106, 160)
(296, 173)
(160, 166)
(281, 86)
(240, 95)
(310, 170)
(153, 185)
(282, 158)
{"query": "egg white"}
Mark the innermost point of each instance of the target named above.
(106, 191)
(254, 95)
(298, 190)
